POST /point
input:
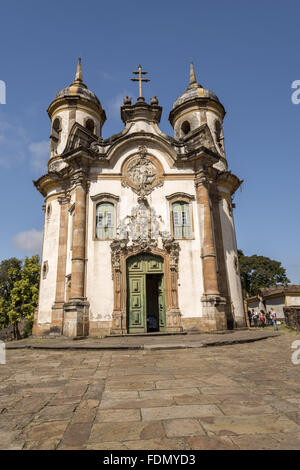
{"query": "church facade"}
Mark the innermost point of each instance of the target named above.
(138, 228)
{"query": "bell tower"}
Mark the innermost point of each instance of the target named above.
(74, 103)
(195, 107)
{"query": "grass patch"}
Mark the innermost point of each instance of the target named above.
(284, 329)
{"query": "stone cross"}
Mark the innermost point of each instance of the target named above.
(139, 72)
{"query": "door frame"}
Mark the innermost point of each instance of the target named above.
(142, 274)
(120, 252)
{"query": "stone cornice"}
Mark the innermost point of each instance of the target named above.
(228, 180)
(75, 101)
(48, 182)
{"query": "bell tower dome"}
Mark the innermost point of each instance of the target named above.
(74, 103)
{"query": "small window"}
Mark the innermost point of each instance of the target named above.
(182, 227)
(45, 269)
(185, 127)
(90, 126)
(105, 220)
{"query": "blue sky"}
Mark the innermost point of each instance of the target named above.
(246, 52)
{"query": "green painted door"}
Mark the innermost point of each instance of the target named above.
(137, 269)
(137, 304)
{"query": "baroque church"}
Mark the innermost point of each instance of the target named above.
(139, 234)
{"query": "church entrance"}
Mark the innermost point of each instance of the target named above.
(145, 294)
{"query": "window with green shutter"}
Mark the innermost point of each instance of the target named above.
(105, 218)
(181, 220)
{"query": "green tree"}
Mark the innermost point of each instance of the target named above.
(10, 272)
(258, 272)
(25, 292)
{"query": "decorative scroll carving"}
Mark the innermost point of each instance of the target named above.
(143, 223)
(79, 178)
(57, 166)
(142, 172)
(172, 248)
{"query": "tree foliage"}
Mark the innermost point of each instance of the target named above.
(19, 288)
(10, 272)
(258, 272)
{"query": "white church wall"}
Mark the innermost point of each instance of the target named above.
(50, 254)
(228, 233)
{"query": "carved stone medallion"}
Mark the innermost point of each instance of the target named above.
(142, 172)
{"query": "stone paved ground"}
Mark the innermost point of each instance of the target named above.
(243, 396)
(150, 341)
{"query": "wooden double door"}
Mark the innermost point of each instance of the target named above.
(145, 294)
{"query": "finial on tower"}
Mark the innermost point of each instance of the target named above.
(78, 76)
(193, 78)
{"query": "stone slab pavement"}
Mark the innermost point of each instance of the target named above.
(236, 396)
(148, 341)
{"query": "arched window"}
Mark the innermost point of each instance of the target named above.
(219, 134)
(105, 220)
(182, 226)
(185, 127)
(90, 125)
(55, 134)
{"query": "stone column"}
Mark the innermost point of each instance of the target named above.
(213, 304)
(76, 319)
(210, 277)
(78, 247)
(58, 306)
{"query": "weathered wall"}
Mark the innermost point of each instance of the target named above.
(292, 317)
(50, 253)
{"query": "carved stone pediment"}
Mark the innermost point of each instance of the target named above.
(141, 245)
(142, 172)
(201, 137)
(79, 137)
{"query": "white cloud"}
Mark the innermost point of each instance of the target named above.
(13, 141)
(30, 241)
(16, 146)
(39, 154)
(107, 76)
(114, 105)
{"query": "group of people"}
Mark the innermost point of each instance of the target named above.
(262, 319)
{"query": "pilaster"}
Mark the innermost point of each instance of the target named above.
(76, 309)
(212, 301)
(58, 306)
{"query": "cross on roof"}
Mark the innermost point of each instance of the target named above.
(140, 72)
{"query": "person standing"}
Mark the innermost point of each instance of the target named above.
(255, 319)
(249, 316)
(274, 319)
(262, 319)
